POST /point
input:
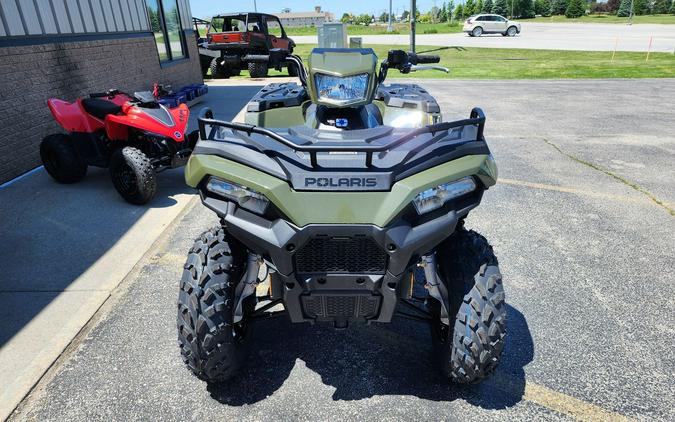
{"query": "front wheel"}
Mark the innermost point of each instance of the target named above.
(477, 31)
(512, 31)
(470, 348)
(133, 175)
(212, 346)
(61, 160)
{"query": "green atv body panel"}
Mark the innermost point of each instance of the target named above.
(329, 207)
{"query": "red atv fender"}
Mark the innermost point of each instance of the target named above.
(145, 120)
(73, 118)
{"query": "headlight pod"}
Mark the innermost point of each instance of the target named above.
(435, 198)
(243, 196)
(341, 90)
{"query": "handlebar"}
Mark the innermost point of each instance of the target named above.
(423, 58)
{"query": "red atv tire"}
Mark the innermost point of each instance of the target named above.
(133, 175)
(61, 160)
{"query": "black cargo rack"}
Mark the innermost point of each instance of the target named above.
(476, 118)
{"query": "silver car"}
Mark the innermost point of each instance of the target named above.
(478, 25)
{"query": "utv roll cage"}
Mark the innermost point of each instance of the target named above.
(476, 118)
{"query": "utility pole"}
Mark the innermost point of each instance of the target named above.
(255, 6)
(630, 16)
(389, 27)
(512, 1)
(413, 10)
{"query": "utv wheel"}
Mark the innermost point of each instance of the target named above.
(477, 31)
(133, 175)
(512, 31)
(292, 69)
(217, 69)
(61, 160)
(257, 70)
(471, 349)
(212, 347)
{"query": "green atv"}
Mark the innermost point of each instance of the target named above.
(336, 197)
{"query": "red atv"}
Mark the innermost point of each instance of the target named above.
(133, 135)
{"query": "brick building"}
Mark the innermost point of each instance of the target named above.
(69, 48)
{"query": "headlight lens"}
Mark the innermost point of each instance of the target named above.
(434, 198)
(341, 90)
(244, 197)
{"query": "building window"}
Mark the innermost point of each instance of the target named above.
(166, 27)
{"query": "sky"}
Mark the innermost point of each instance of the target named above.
(207, 8)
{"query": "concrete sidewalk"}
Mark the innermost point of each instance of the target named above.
(65, 248)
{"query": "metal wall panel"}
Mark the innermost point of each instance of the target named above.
(109, 15)
(119, 18)
(62, 16)
(30, 17)
(99, 19)
(142, 14)
(74, 14)
(46, 17)
(12, 18)
(87, 16)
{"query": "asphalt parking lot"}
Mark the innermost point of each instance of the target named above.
(583, 224)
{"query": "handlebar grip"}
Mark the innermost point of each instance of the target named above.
(427, 58)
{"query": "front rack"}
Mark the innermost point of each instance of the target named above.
(476, 118)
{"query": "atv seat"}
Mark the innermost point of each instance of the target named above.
(100, 108)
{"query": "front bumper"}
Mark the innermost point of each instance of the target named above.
(337, 272)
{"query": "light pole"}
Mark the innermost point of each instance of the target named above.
(255, 6)
(413, 8)
(389, 27)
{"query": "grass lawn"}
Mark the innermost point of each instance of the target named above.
(492, 63)
(666, 19)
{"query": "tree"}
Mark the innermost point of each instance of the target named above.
(443, 14)
(459, 12)
(479, 7)
(346, 18)
(405, 15)
(624, 9)
(384, 17)
(661, 7)
(451, 8)
(641, 7)
(469, 8)
(500, 7)
(576, 9)
(542, 7)
(523, 8)
(364, 19)
(487, 6)
(559, 7)
(613, 5)
(672, 8)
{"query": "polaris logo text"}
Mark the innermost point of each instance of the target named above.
(341, 182)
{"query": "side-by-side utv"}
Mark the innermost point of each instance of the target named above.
(338, 189)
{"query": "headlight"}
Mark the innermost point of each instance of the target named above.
(432, 199)
(244, 197)
(341, 90)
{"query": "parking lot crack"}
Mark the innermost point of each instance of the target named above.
(615, 176)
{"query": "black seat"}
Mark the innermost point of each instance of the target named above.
(100, 108)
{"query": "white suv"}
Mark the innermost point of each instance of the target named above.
(478, 25)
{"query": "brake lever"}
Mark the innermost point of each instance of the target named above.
(415, 68)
